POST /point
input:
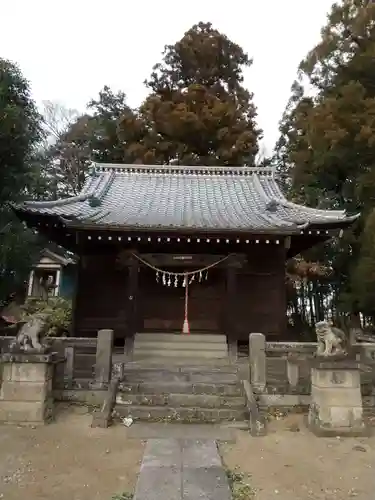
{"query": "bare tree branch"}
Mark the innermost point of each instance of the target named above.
(57, 118)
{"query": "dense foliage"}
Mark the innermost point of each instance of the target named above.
(20, 134)
(57, 312)
(325, 154)
(198, 112)
(77, 140)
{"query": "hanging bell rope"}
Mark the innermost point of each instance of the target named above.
(185, 326)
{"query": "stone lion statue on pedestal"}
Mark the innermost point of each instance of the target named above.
(331, 340)
(29, 337)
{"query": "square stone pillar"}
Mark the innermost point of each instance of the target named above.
(257, 361)
(293, 371)
(26, 389)
(336, 400)
(103, 363)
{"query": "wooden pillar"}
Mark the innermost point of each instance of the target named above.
(131, 297)
(230, 300)
(76, 295)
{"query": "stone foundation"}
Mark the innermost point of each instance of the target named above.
(26, 389)
(336, 400)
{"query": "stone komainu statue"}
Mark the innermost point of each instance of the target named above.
(30, 335)
(331, 340)
(22, 342)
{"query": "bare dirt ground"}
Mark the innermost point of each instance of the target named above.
(67, 460)
(290, 462)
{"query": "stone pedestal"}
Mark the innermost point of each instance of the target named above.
(26, 388)
(336, 400)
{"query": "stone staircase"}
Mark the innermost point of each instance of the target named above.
(185, 393)
(184, 378)
(166, 345)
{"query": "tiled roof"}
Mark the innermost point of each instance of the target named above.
(62, 258)
(200, 198)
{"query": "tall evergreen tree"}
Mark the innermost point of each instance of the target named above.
(326, 149)
(20, 134)
(198, 111)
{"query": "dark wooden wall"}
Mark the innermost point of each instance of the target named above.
(100, 296)
(260, 304)
(162, 307)
(235, 301)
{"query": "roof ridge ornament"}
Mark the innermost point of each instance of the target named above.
(122, 168)
(93, 172)
(272, 205)
(94, 201)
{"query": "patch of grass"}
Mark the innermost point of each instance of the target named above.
(241, 489)
(123, 496)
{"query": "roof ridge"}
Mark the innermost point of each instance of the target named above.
(263, 195)
(283, 200)
(55, 203)
(64, 260)
(268, 200)
(101, 187)
(182, 169)
(92, 190)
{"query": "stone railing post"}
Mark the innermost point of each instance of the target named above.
(366, 353)
(103, 362)
(232, 349)
(69, 365)
(292, 371)
(129, 348)
(257, 361)
(58, 348)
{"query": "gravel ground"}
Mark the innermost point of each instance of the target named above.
(70, 460)
(67, 460)
(290, 462)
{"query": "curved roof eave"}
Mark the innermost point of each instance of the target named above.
(257, 201)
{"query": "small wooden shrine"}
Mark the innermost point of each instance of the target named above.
(54, 270)
(162, 248)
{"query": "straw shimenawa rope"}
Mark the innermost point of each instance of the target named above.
(186, 273)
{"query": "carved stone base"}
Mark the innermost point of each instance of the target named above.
(336, 400)
(26, 389)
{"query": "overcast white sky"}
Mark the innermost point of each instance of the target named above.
(69, 49)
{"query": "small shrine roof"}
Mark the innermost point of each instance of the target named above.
(142, 197)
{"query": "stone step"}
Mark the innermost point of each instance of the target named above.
(169, 376)
(164, 430)
(181, 400)
(171, 337)
(177, 346)
(181, 414)
(177, 362)
(185, 353)
(221, 366)
(167, 387)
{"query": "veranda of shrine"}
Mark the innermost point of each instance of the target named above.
(173, 248)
